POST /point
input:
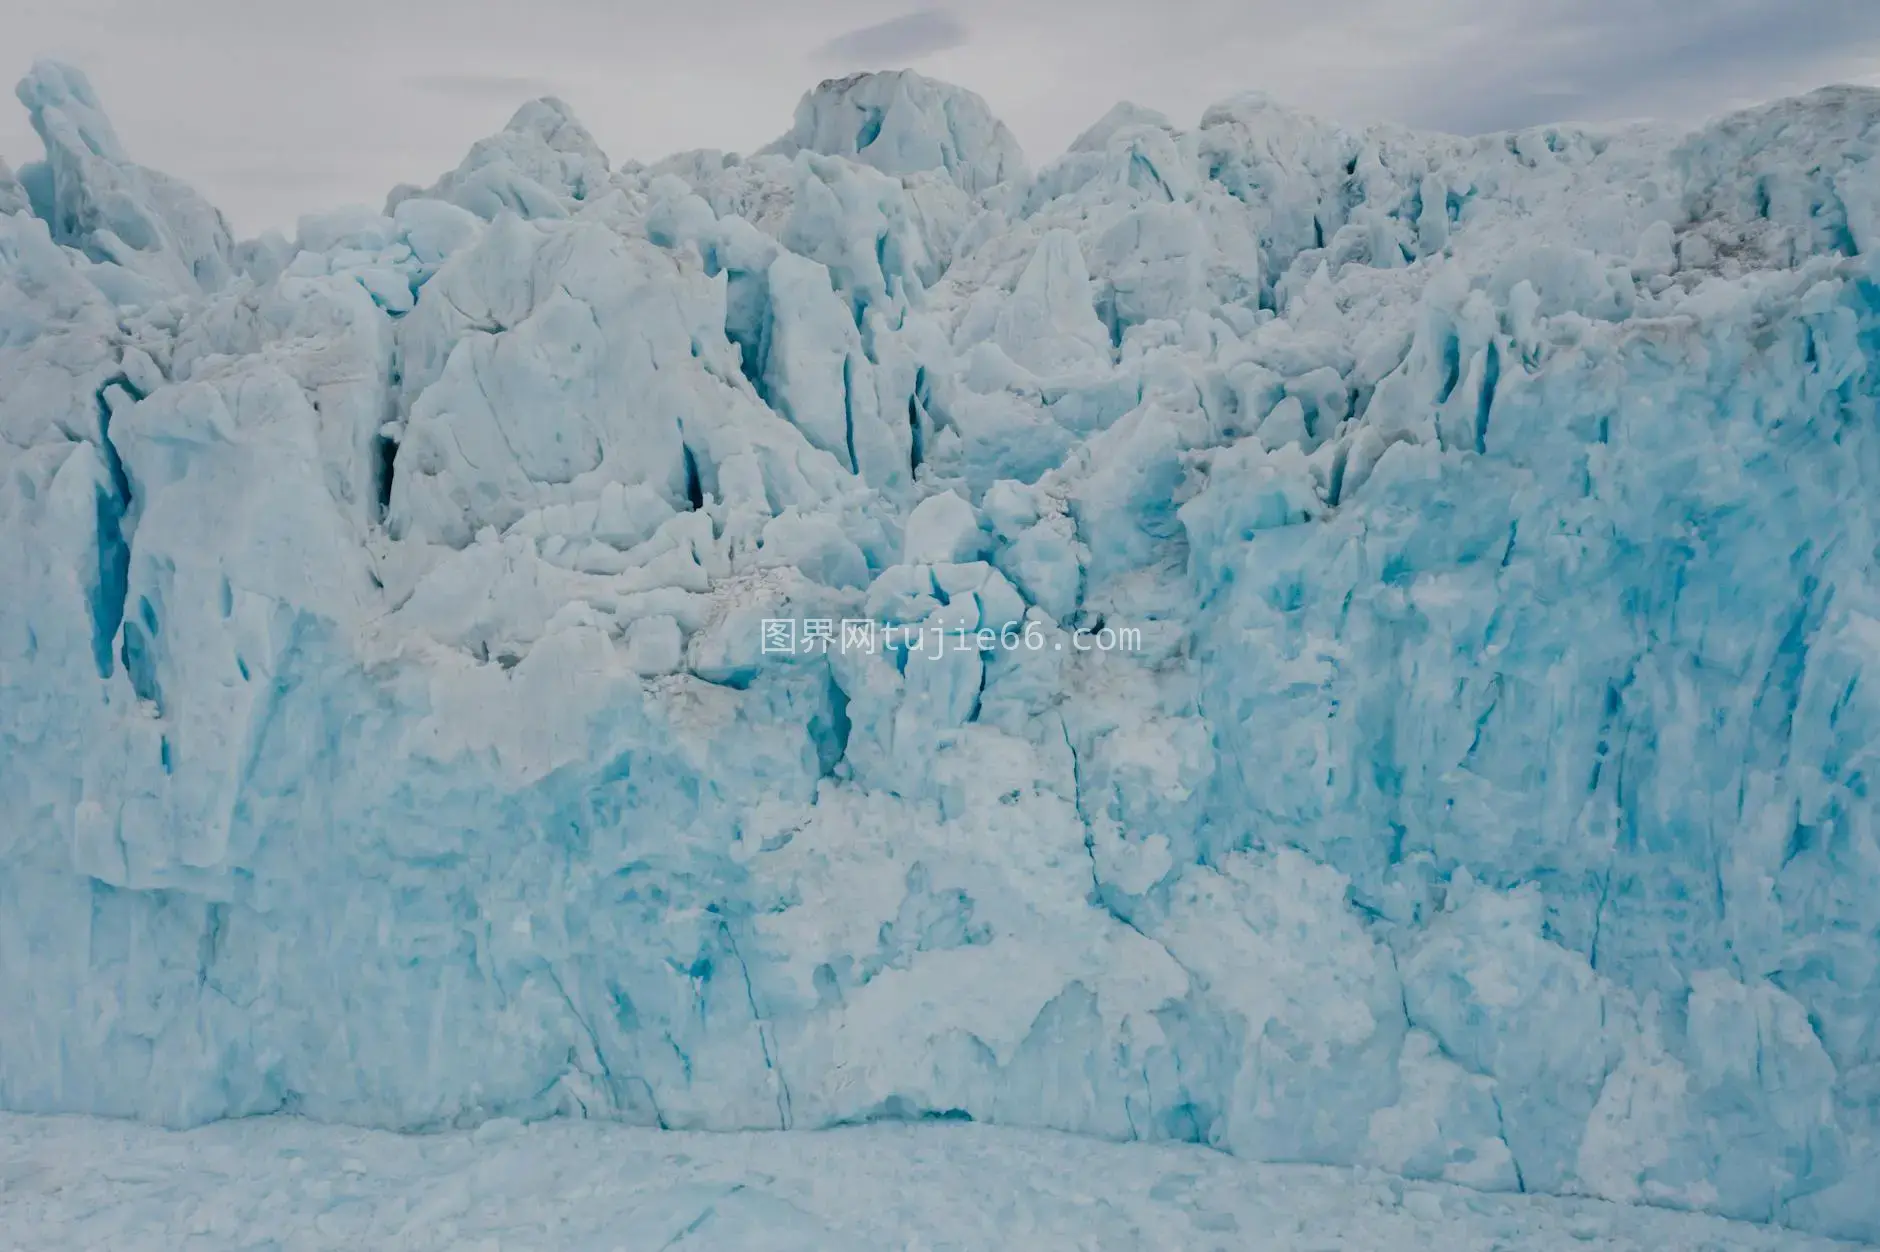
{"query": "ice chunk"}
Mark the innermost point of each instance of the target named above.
(1124, 116)
(591, 369)
(1050, 324)
(1446, 1123)
(817, 374)
(901, 123)
(942, 529)
(1319, 1004)
(13, 198)
(111, 208)
(1484, 966)
(542, 164)
(1763, 182)
(1153, 263)
(655, 645)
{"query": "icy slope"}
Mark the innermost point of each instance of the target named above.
(1421, 723)
(296, 1186)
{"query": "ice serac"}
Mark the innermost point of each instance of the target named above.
(98, 201)
(1342, 646)
(540, 165)
(13, 198)
(902, 123)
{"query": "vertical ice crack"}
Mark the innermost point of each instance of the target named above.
(915, 408)
(114, 557)
(652, 1099)
(1097, 894)
(979, 696)
(1491, 382)
(1613, 720)
(385, 449)
(763, 1028)
(848, 411)
(1599, 909)
(694, 488)
(1077, 802)
(587, 1029)
(1501, 1126)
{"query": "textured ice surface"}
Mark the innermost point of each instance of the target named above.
(1474, 787)
(296, 1186)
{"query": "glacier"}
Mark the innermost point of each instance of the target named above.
(1368, 642)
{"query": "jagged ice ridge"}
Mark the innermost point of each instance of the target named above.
(386, 736)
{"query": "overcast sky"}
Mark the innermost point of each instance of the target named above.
(275, 108)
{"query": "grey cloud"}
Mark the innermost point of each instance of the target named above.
(260, 176)
(1601, 59)
(907, 38)
(472, 86)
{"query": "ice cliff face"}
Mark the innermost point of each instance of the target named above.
(1474, 784)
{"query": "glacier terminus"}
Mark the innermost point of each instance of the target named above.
(389, 735)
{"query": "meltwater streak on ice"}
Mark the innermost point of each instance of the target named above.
(385, 733)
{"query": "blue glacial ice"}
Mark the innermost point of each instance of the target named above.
(1473, 788)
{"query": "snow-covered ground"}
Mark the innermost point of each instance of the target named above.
(289, 1185)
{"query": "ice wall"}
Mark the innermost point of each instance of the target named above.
(1473, 784)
